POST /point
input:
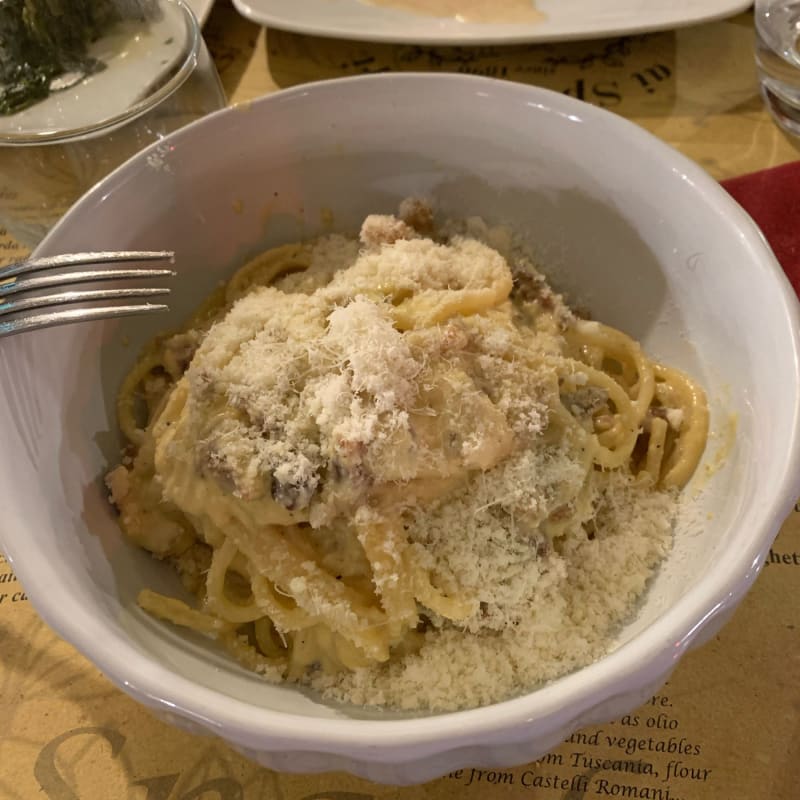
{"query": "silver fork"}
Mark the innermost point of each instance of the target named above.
(19, 279)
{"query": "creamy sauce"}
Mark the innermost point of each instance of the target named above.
(469, 10)
(724, 439)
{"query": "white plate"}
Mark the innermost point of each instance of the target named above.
(201, 8)
(564, 19)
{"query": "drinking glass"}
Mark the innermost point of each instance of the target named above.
(778, 59)
(158, 76)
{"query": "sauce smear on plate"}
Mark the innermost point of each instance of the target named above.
(469, 10)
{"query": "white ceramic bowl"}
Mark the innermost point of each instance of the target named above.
(634, 230)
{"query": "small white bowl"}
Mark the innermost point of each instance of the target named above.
(631, 228)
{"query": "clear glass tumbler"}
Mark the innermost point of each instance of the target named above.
(778, 59)
(156, 75)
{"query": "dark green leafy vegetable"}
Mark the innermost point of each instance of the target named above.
(24, 85)
(41, 40)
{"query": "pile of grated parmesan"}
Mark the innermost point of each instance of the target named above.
(323, 386)
(540, 617)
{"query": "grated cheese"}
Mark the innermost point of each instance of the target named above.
(357, 372)
(537, 617)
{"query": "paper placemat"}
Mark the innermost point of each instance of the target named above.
(725, 727)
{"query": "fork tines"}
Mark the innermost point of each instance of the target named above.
(60, 271)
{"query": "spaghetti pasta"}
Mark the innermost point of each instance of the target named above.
(330, 458)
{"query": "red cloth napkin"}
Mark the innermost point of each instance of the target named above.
(772, 198)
